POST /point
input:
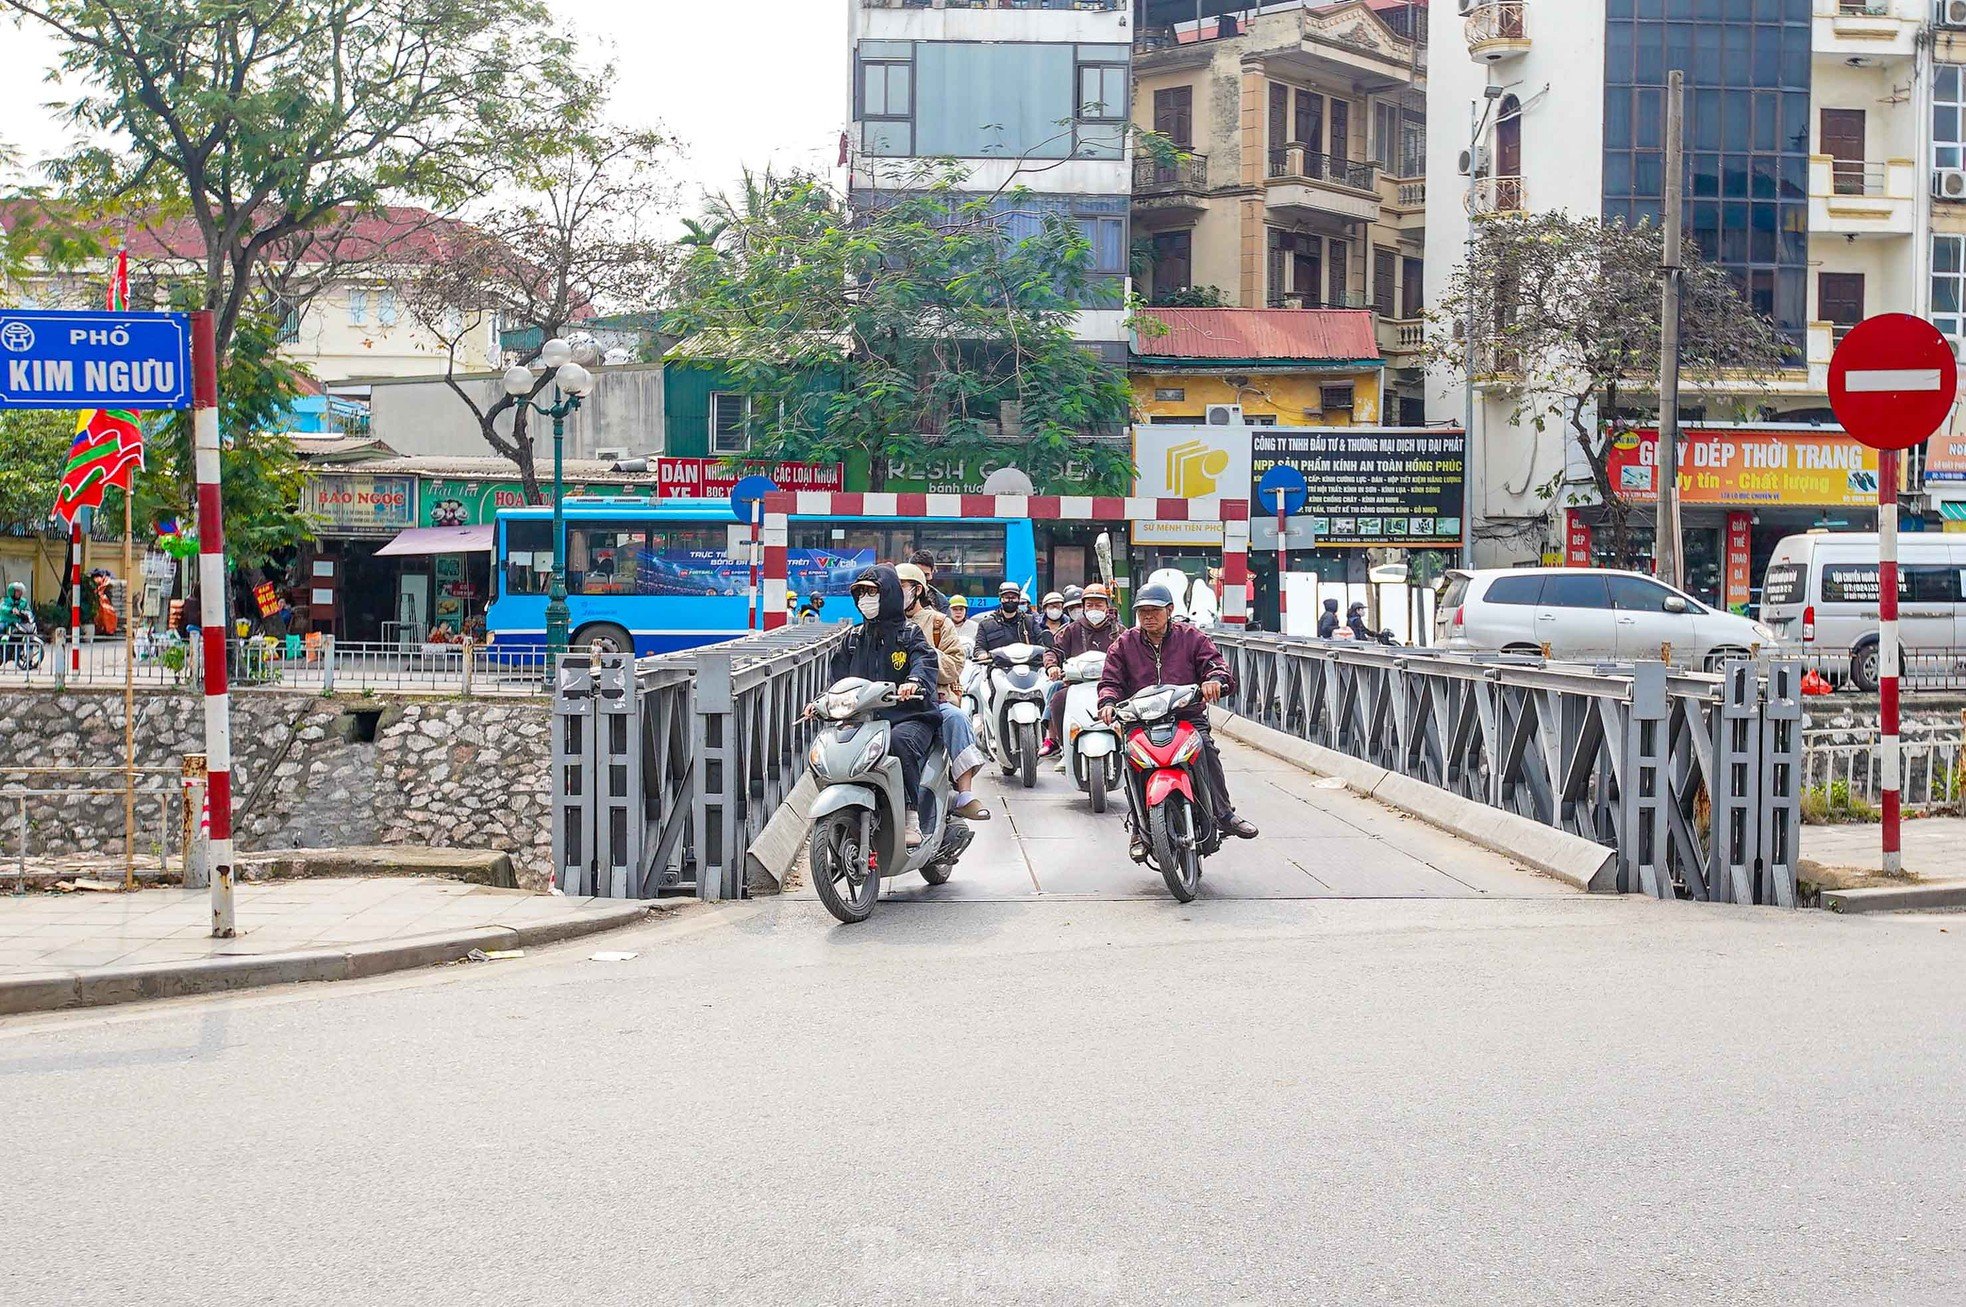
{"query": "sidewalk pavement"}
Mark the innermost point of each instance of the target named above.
(79, 950)
(1934, 858)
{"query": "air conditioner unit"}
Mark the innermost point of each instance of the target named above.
(1952, 13)
(1467, 7)
(1949, 183)
(611, 454)
(1224, 415)
(1474, 162)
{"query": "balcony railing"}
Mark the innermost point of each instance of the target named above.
(1410, 193)
(1496, 195)
(1292, 161)
(1498, 21)
(1859, 177)
(1408, 334)
(1187, 173)
(1310, 300)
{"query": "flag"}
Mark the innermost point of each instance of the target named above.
(108, 446)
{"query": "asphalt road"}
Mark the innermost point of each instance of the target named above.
(1268, 1100)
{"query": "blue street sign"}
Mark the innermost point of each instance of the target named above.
(1287, 483)
(53, 358)
(748, 493)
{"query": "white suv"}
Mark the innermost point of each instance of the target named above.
(1588, 613)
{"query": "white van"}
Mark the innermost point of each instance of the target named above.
(1820, 592)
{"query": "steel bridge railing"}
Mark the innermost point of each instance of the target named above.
(1695, 780)
(665, 769)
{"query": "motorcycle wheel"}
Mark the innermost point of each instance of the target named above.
(1095, 780)
(1027, 754)
(833, 858)
(33, 652)
(1179, 865)
(936, 874)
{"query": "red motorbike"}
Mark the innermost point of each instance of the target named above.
(1164, 812)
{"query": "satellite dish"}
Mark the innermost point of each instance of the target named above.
(1008, 481)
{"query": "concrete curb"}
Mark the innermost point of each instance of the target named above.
(1898, 898)
(1580, 863)
(769, 859)
(44, 991)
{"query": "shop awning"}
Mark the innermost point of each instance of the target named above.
(1950, 510)
(440, 540)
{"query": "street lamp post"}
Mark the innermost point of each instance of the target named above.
(571, 382)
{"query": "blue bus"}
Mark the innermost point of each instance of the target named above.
(658, 575)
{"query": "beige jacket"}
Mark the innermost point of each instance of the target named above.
(941, 634)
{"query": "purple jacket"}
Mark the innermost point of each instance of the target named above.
(1186, 656)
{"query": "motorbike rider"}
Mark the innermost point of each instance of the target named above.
(16, 612)
(886, 646)
(1010, 624)
(1055, 624)
(1327, 622)
(925, 559)
(1074, 603)
(959, 616)
(1093, 632)
(958, 736)
(1355, 619)
(1160, 651)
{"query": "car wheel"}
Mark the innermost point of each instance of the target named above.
(1717, 658)
(1863, 669)
(604, 638)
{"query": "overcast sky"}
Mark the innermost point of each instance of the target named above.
(738, 82)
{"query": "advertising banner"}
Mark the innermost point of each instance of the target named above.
(1182, 460)
(712, 478)
(1740, 561)
(1813, 469)
(357, 504)
(1577, 539)
(1373, 486)
(1945, 458)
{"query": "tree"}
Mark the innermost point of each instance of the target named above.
(272, 123)
(1565, 314)
(33, 450)
(945, 318)
(570, 232)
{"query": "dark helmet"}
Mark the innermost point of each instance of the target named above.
(1153, 595)
(1074, 595)
(1356, 609)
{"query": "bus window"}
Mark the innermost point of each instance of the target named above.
(528, 557)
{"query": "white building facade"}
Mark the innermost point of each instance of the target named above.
(1020, 95)
(1826, 170)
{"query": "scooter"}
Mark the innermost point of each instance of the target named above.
(1163, 809)
(1091, 746)
(859, 820)
(1014, 710)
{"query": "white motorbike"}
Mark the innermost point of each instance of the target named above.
(859, 820)
(1010, 709)
(1091, 746)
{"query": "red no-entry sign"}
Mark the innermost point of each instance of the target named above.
(1892, 381)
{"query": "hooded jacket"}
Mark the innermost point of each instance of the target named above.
(1327, 621)
(889, 647)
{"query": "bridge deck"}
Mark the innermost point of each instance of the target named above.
(1317, 842)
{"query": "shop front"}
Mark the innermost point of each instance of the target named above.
(1742, 489)
(347, 589)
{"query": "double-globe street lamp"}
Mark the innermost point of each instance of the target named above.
(571, 381)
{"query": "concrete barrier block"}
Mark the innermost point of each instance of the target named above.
(37, 991)
(769, 859)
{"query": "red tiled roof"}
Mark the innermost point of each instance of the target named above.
(1281, 335)
(398, 234)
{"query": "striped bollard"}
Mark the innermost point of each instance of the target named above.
(211, 613)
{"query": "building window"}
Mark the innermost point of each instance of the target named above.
(1338, 292)
(1949, 289)
(1385, 268)
(1336, 398)
(358, 306)
(1840, 300)
(385, 308)
(1949, 116)
(1174, 114)
(1102, 92)
(1399, 141)
(730, 423)
(286, 314)
(1412, 288)
(1173, 263)
(983, 100)
(886, 98)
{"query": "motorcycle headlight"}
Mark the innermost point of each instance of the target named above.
(1148, 707)
(839, 707)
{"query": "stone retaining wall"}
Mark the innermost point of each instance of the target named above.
(310, 770)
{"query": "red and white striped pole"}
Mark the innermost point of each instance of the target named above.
(75, 594)
(211, 616)
(1891, 759)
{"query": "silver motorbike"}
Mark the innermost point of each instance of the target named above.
(859, 820)
(1012, 709)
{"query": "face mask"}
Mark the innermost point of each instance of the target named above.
(911, 598)
(1009, 607)
(870, 606)
(1095, 617)
(1055, 614)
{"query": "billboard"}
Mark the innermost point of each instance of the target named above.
(358, 504)
(1372, 486)
(1747, 466)
(1181, 460)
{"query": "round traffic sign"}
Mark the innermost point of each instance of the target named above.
(1283, 490)
(748, 493)
(1892, 381)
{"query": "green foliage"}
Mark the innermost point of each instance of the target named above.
(33, 450)
(933, 319)
(1193, 297)
(1832, 804)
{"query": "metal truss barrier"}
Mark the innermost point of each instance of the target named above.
(1695, 780)
(666, 768)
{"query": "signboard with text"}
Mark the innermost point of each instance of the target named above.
(474, 503)
(713, 478)
(64, 359)
(1372, 486)
(359, 504)
(1814, 469)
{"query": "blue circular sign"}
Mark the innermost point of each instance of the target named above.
(748, 493)
(1283, 490)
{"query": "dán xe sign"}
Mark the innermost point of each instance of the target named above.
(60, 359)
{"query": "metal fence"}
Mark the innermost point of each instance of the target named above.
(666, 769)
(1695, 780)
(317, 663)
(1918, 669)
(1845, 779)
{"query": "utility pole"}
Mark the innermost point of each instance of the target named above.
(1667, 555)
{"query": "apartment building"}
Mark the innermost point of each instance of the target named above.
(1822, 139)
(1020, 93)
(1301, 180)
